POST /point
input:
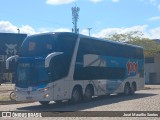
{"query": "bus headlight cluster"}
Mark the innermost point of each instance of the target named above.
(44, 89)
(46, 95)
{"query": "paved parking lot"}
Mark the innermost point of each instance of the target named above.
(144, 100)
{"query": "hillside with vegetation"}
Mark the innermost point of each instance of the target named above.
(151, 47)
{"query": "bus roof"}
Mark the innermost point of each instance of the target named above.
(111, 41)
(85, 36)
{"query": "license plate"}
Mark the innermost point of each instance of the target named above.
(29, 98)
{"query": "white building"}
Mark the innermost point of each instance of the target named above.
(152, 70)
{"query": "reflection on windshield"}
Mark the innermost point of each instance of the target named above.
(23, 73)
(29, 75)
(37, 46)
(31, 46)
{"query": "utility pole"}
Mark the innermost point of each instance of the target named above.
(75, 17)
(89, 29)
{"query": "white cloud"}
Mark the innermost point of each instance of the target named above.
(109, 31)
(27, 29)
(147, 33)
(96, 1)
(62, 30)
(44, 30)
(154, 33)
(115, 0)
(85, 32)
(7, 27)
(154, 18)
(59, 2)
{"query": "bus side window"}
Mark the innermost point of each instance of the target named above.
(32, 46)
(92, 72)
(57, 68)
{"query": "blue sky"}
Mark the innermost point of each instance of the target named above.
(105, 17)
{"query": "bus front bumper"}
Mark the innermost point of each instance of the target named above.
(34, 95)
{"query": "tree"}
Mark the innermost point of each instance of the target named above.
(151, 48)
(133, 35)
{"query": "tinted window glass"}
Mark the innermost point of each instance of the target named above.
(60, 64)
(93, 47)
(38, 46)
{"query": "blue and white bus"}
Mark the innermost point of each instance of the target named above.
(67, 66)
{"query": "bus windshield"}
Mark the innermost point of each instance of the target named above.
(31, 75)
(40, 45)
(31, 63)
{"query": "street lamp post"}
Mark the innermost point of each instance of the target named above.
(18, 31)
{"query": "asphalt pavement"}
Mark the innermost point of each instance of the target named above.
(143, 101)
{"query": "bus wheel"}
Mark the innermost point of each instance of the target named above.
(44, 102)
(12, 96)
(127, 89)
(133, 89)
(76, 95)
(88, 94)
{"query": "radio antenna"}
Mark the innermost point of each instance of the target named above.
(75, 17)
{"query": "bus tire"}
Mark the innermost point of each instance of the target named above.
(133, 89)
(88, 94)
(76, 95)
(12, 96)
(126, 89)
(44, 102)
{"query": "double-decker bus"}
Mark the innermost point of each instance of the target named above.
(68, 66)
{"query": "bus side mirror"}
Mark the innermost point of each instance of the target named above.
(11, 63)
(12, 66)
(49, 57)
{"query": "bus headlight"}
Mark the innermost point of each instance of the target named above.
(46, 95)
(44, 89)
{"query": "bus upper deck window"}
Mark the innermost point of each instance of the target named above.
(32, 46)
(49, 46)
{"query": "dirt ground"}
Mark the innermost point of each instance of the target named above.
(5, 90)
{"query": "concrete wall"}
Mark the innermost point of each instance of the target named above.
(152, 71)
